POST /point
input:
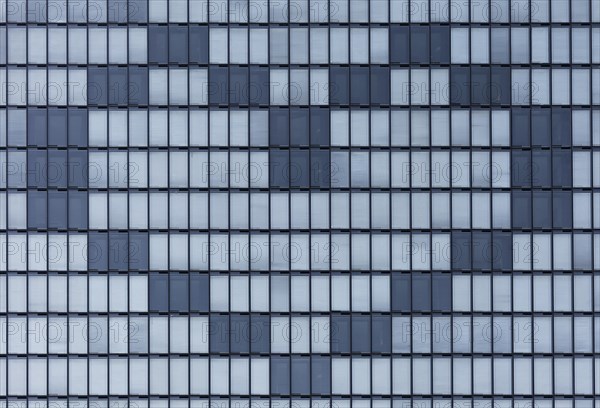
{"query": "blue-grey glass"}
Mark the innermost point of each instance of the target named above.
(561, 127)
(178, 44)
(562, 209)
(339, 87)
(521, 168)
(199, 292)
(299, 126)
(562, 168)
(36, 210)
(542, 209)
(440, 44)
(98, 251)
(137, 11)
(361, 334)
(119, 251)
(279, 127)
(260, 334)
(419, 44)
(301, 375)
(240, 333)
(37, 127)
(482, 252)
(118, 86)
(340, 334)
(280, 375)
(380, 85)
(279, 168)
(57, 127)
(541, 168)
(218, 85)
(299, 168)
(421, 292)
(137, 91)
(541, 127)
(219, 333)
(57, 210)
(158, 292)
(238, 86)
(319, 127)
(158, 36)
(97, 86)
(461, 250)
(401, 293)
(78, 127)
(37, 169)
(480, 85)
(178, 292)
(500, 86)
(320, 168)
(77, 168)
(521, 209)
(137, 252)
(460, 93)
(78, 209)
(359, 85)
(381, 335)
(321, 374)
(441, 294)
(259, 86)
(198, 39)
(502, 251)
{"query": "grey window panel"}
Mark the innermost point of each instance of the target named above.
(461, 250)
(300, 375)
(279, 168)
(58, 173)
(419, 44)
(117, 11)
(158, 44)
(16, 177)
(37, 134)
(299, 126)
(137, 11)
(36, 210)
(138, 251)
(98, 251)
(77, 168)
(199, 292)
(399, 44)
(459, 86)
(562, 168)
(441, 285)
(320, 168)
(240, 330)
(500, 86)
(340, 334)
(35, 10)
(280, 375)
(319, 127)
(178, 292)
(381, 335)
(562, 209)
(321, 375)
(78, 127)
(541, 168)
(300, 169)
(119, 251)
(561, 127)
(260, 334)
(541, 127)
(137, 89)
(361, 334)
(17, 127)
(421, 292)
(359, 85)
(198, 52)
(279, 127)
(259, 86)
(482, 254)
(37, 169)
(238, 86)
(97, 86)
(57, 127)
(118, 86)
(480, 85)
(542, 209)
(57, 210)
(380, 85)
(178, 44)
(502, 254)
(78, 209)
(521, 209)
(521, 168)
(339, 92)
(218, 85)
(440, 45)
(158, 298)
(520, 135)
(218, 335)
(401, 293)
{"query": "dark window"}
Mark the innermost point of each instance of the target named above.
(541, 127)
(119, 251)
(36, 127)
(380, 85)
(441, 293)
(502, 251)
(299, 169)
(36, 210)
(321, 375)
(520, 127)
(138, 85)
(57, 209)
(562, 172)
(37, 169)
(158, 43)
(399, 44)
(238, 86)
(320, 168)
(218, 85)
(78, 127)
(178, 292)
(561, 127)
(381, 334)
(521, 209)
(361, 334)
(562, 209)
(280, 375)
(421, 292)
(78, 209)
(461, 250)
(279, 127)
(77, 168)
(118, 86)
(57, 127)
(459, 86)
(198, 44)
(178, 44)
(542, 209)
(159, 292)
(500, 86)
(440, 45)
(218, 334)
(401, 291)
(258, 91)
(340, 334)
(299, 126)
(419, 44)
(279, 168)
(138, 251)
(97, 86)
(239, 333)
(541, 168)
(137, 11)
(199, 295)
(359, 85)
(301, 375)
(319, 127)
(521, 168)
(339, 92)
(482, 251)
(260, 334)
(480, 85)
(98, 251)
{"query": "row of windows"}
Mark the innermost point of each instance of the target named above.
(299, 293)
(301, 45)
(303, 402)
(300, 87)
(60, 210)
(519, 127)
(558, 168)
(300, 251)
(299, 11)
(301, 376)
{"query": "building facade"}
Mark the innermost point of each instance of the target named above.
(300, 203)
